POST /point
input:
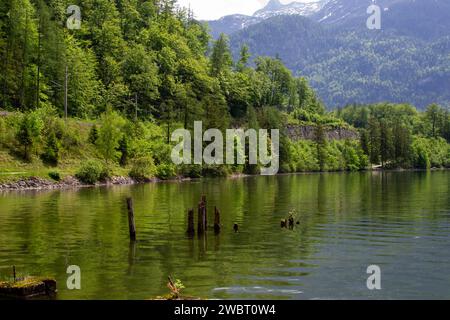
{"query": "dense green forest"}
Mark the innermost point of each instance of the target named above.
(103, 100)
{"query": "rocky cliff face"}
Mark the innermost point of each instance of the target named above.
(308, 133)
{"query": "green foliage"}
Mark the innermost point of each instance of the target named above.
(221, 60)
(54, 175)
(140, 70)
(124, 151)
(321, 143)
(349, 63)
(421, 156)
(91, 172)
(93, 135)
(28, 133)
(166, 171)
(109, 135)
(3, 130)
(51, 149)
(143, 168)
(340, 156)
(191, 171)
(351, 157)
(215, 171)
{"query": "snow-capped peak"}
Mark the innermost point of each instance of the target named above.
(276, 8)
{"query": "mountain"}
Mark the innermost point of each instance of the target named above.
(276, 8)
(417, 18)
(408, 60)
(232, 23)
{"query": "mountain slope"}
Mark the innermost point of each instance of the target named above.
(233, 23)
(276, 8)
(408, 60)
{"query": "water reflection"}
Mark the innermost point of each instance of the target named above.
(399, 221)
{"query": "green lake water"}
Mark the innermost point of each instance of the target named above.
(399, 221)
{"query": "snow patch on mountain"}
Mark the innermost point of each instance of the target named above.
(276, 8)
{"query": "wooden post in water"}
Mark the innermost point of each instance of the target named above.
(200, 225)
(131, 224)
(291, 222)
(216, 220)
(205, 214)
(190, 229)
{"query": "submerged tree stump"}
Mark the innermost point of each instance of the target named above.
(216, 220)
(190, 228)
(202, 216)
(291, 222)
(200, 221)
(205, 214)
(131, 224)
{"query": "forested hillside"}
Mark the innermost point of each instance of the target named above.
(406, 61)
(134, 72)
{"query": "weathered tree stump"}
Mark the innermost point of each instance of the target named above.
(190, 228)
(216, 220)
(131, 224)
(28, 287)
(205, 214)
(291, 222)
(200, 221)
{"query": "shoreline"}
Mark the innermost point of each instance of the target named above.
(70, 182)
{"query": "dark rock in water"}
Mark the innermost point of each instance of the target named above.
(28, 287)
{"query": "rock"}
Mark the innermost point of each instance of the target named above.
(297, 132)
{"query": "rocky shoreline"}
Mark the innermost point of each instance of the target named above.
(70, 182)
(35, 183)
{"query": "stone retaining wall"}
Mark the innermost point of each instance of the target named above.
(308, 133)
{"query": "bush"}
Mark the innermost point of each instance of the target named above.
(93, 135)
(216, 171)
(124, 151)
(2, 131)
(166, 171)
(143, 168)
(304, 156)
(54, 175)
(91, 172)
(8, 130)
(51, 150)
(191, 171)
(351, 157)
(71, 139)
(28, 133)
(421, 157)
(110, 134)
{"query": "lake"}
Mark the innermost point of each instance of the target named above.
(399, 221)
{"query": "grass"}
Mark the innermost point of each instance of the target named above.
(28, 287)
(23, 283)
(76, 152)
(12, 169)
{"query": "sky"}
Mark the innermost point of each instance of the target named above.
(215, 9)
